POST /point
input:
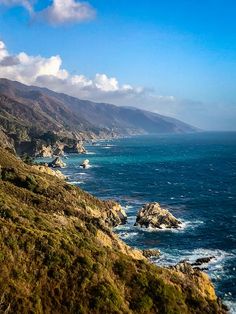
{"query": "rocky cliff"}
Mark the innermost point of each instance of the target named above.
(58, 254)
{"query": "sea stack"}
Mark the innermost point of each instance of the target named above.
(152, 215)
(85, 164)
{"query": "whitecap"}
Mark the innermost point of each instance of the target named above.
(127, 235)
(128, 207)
(75, 182)
(231, 305)
(169, 258)
(219, 256)
(184, 225)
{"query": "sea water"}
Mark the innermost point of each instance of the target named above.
(192, 175)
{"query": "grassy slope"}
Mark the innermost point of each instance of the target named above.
(58, 256)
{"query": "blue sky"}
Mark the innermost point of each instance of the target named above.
(178, 57)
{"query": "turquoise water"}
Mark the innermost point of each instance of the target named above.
(192, 175)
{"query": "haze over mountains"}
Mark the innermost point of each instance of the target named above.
(29, 111)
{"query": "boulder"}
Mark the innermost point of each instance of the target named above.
(151, 253)
(57, 163)
(153, 216)
(85, 164)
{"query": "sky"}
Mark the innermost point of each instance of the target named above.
(177, 58)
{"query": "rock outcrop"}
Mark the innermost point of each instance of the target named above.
(6, 142)
(77, 148)
(48, 170)
(153, 216)
(151, 253)
(57, 163)
(115, 216)
(45, 151)
(185, 268)
(59, 149)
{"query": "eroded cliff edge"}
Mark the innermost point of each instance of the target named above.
(58, 254)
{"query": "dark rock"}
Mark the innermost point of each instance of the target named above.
(202, 260)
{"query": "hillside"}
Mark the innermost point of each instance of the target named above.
(28, 112)
(58, 254)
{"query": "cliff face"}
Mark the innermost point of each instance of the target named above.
(59, 255)
(6, 142)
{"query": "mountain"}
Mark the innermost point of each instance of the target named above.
(124, 120)
(59, 255)
(29, 112)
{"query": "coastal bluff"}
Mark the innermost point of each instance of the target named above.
(59, 254)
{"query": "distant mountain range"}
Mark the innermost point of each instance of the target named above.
(27, 112)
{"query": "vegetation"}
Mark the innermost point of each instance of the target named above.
(57, 255)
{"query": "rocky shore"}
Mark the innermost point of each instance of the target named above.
(60, 149)
(59, 254)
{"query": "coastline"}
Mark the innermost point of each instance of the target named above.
(130, 239)
(74, 214)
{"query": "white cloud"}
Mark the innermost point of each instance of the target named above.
(24, 3)
(48, 72)
(67, 11)
(3, 51)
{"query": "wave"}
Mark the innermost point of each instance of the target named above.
(75, 182)
(127, 235)
(128, 207)
(172, 257)
(231, 305)
(184, 225)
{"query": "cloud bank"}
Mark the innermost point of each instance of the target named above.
(60, 12)
(48, 72)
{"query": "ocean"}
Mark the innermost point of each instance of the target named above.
(192, 175)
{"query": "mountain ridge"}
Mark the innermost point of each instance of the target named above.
(27, 112)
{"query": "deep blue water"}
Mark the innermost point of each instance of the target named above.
(193, 175)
